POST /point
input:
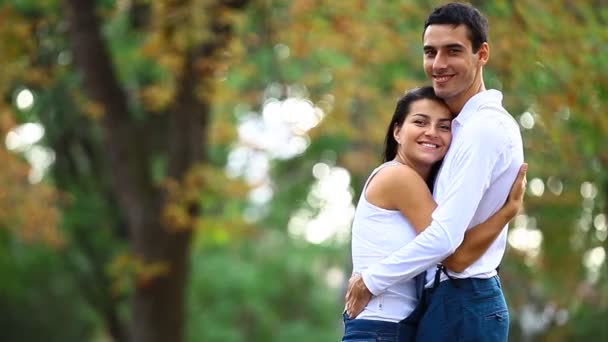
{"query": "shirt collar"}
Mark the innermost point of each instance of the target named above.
(473, 104)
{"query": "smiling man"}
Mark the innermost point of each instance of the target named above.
(477, 173)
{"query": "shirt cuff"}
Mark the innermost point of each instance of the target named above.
(369, 283)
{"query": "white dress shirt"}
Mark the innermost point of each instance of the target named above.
(477, 173)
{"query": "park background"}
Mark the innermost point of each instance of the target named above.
(187, 170)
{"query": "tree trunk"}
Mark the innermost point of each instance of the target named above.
(158, 305)
(158, 302)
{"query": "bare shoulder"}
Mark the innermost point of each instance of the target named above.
(399, 175)
(393, 183)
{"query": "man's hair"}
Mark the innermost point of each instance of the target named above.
(456, 14)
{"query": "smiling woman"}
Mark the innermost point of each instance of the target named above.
(424, 136)
(417, 138)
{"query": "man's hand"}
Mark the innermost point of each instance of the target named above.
(518, 189)
(357, 295)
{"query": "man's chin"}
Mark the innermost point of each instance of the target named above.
(441, 91)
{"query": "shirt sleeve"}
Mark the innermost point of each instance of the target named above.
(469, 176)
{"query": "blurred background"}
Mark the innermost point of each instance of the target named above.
(187, 170)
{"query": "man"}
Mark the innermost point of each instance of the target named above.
(477, 173)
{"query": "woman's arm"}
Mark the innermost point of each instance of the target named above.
(387, 191)
(479, 238)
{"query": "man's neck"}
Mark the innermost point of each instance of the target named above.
(456, 104)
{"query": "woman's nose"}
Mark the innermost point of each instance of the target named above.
(431, 130)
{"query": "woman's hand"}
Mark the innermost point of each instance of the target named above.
(357, 296)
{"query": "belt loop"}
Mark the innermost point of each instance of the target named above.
(453, 280)
(437, 275)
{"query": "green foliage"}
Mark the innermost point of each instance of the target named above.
(38, 295)
(267, 289)
(253, 280)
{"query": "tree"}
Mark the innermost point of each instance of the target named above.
(161, 246)
(143, 103)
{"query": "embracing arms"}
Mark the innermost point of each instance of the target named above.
(418, 207)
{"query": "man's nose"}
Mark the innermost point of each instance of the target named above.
(440, 62)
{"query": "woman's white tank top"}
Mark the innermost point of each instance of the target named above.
(376, 233)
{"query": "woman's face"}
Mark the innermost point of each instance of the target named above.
(425, 135)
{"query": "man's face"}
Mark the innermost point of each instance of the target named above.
(449, 62)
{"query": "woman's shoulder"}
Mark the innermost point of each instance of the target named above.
(394, 185)
(397, 176)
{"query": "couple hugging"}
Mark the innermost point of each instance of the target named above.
(428, 233)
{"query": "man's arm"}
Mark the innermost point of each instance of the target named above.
(402, 188)
(478, 239)
(470, 176)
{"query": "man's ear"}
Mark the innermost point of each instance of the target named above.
(483, 53)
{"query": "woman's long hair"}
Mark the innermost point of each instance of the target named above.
(402, 110)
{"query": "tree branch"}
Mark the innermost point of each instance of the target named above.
(190, 119)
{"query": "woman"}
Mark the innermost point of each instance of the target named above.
(395, 199)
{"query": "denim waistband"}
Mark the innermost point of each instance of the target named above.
(464, 283)
(475, 284)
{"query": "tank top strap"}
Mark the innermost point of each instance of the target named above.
(388, 163)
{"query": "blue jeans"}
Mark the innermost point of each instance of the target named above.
(465, 310)
(367, 330)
